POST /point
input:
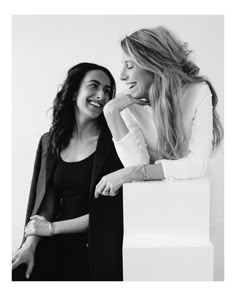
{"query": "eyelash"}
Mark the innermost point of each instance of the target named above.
(93, 85)
(129, 67)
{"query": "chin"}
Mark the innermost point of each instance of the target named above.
(137, 96)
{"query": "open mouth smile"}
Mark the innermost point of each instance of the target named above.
(132, 84)
(96, 104)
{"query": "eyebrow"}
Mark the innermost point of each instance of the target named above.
(96, 81)
(127, 61)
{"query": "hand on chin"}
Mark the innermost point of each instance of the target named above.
(141, 99)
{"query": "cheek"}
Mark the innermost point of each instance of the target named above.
(81, 98)
(107, 100)
(148, 81)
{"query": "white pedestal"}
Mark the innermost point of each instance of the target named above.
(166, 231)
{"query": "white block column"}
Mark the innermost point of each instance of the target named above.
(166, 231)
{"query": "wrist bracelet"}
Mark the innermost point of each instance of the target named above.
(146, 177)
(50, 228)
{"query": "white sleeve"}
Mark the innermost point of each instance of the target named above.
(194, 165)
(132, 148)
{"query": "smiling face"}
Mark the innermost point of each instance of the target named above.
(137, 79)
(94, 93)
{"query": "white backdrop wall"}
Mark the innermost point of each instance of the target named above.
(45, 47)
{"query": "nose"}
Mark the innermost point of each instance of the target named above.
(123, 74)
(100, 95)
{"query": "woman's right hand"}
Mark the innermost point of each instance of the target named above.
(112, 113)
(24, 255)
(122, 101)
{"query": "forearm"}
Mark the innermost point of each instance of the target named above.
(75, 225)
(116, 124)
(31, 242)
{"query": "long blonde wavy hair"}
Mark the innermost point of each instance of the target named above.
(158, 51)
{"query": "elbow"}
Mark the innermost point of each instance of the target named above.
(201, 167)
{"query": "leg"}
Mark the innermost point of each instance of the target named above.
(74, 266)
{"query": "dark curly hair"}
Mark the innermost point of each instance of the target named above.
(63, 121)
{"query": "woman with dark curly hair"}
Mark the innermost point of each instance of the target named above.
(70, 235)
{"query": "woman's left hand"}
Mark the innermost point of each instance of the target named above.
(110, 184)
(38, 225)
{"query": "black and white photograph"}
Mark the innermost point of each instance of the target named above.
(118, 148)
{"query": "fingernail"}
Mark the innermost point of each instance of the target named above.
(27, 276)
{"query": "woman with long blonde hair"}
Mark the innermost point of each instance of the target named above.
(165, 125)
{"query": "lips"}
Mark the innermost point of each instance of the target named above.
(131, 84)
(96, 104)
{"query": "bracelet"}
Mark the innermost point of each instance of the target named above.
(50, 228)
(146, 177)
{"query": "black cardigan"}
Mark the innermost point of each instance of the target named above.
(105, 213)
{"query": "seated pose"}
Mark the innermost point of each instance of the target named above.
(165, 126)
(70, 235)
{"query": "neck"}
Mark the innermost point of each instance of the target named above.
(85, 128)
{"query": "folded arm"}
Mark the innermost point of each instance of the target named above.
(39, 225)
(127, 136)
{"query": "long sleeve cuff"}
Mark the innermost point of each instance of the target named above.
(185, 168)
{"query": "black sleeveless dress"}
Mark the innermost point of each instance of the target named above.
(65, 256)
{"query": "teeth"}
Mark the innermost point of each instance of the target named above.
(95, 104)
(132, 85)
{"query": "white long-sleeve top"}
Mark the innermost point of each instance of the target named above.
(139, 145)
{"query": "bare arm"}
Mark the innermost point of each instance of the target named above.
(75, 225)
(127, 135)
(110, 184)
(40, 226)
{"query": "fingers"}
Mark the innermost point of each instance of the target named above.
(14, 258)
(37, 217)
(33, 217)
(29, 268)
(114, 193)
(99, 189)
(106, 189)
(29, 230)
(15, 263)
(28, 233)
(142, 102)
